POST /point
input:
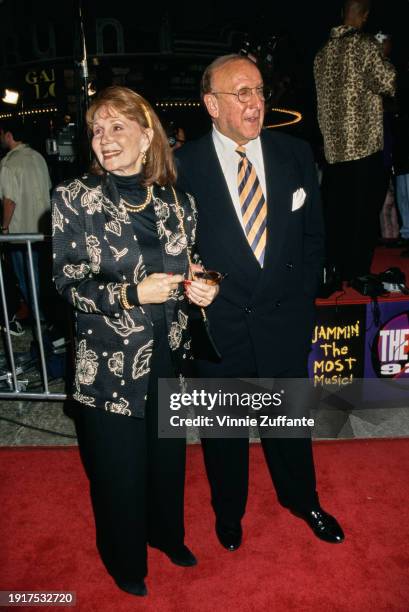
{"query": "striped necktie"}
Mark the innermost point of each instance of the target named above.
(253, 206)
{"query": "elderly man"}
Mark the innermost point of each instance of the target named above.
(259, 221)
(25, 190)
(351, 76)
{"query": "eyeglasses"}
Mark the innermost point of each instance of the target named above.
(244, 94)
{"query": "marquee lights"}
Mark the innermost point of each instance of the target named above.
(36, 111)
(296, 117)
(177, 104)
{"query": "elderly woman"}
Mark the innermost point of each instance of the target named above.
(121, 243)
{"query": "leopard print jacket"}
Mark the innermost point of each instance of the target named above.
(351, 76)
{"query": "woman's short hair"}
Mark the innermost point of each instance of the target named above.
(160, 166)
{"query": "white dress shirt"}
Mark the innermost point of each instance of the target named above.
(229, 162)
(25, 180)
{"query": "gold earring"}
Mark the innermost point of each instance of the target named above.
(144, 158)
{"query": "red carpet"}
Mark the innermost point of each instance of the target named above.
(47, 538)
(384, 258)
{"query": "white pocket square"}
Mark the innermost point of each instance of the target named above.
(298, 199)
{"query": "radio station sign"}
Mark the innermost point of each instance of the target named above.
(336, 357)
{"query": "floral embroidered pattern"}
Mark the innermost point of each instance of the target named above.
(139, 272)
(142, 360)
(94, 253)
(69, 193)
(116, 364)
(113, 292)
(114, 227)
(161, 210)
(194, 215)
(57, 220)
(84, 399)
(87, 365)
(175, 244)
(92, 199)
(118, 254)
(175, 336)
(176, 331)
(124, 325)
(120, 407)
(183, 319)
(77, 271)
(83, 303)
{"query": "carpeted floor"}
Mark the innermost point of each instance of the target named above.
(47, 540)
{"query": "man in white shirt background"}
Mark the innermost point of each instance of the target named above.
(25, 193)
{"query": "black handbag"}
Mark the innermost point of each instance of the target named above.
(203, 345)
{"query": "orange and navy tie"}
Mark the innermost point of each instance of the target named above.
(253, 206)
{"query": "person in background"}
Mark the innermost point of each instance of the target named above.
(121, 238)
(401, 157)
(176, 135)
(25, 191)
(388, 217)
(352, 76)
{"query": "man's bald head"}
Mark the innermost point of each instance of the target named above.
(356, 12)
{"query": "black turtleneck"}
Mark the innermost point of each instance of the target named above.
(144, 225)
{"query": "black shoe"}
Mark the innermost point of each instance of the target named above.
(323, 525)
(179, 556)
(137, 587)
(182, 556)
(229, 535)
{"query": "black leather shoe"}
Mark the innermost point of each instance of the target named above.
(182, 556)
(179, 556)
(137, 587)
(323, 525)
(229, 535)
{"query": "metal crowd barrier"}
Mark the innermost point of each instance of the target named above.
(16, 391)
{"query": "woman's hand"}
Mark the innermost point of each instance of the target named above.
(200, 293)
(157, 287)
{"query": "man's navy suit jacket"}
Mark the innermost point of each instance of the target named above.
(272, 306)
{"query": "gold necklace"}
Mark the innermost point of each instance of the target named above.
(139, 207)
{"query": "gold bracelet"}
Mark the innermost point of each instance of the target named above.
(123, 297)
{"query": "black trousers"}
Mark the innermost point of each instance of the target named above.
(353, 195)
(136, 485)
(290, 461)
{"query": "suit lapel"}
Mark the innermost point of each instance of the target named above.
(279, 199)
